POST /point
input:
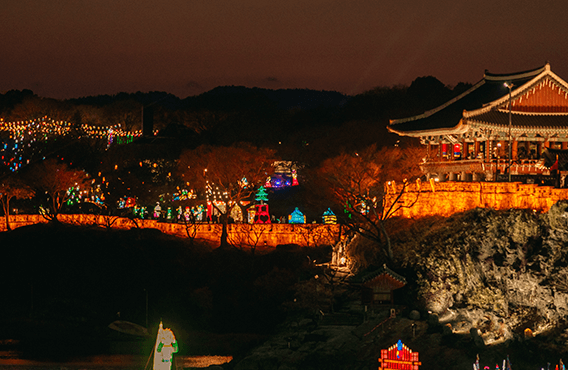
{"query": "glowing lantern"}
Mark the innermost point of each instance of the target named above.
(251, 214)
(399, 356)
(166, 346)
(261, 215)
(296, 217)
(329, 218)
(294, 178)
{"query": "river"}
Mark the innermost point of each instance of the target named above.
(10, 361)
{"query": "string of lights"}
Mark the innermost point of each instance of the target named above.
(19, 137)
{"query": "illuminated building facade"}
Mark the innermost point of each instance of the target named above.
(501, 129)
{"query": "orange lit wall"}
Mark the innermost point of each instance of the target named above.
(447, 198)
(245, 235)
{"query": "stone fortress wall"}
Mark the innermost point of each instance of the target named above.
(420, 199)
(245, 235)
(446, 198)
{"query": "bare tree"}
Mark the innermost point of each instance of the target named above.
(12, 186)
(250, 236)
(54, 179)
(232, 172)
(357, 183)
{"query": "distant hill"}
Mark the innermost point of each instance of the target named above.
(241, 97)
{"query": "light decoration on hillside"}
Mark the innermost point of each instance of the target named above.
(183, 194)
(23, 139)
(261, 216)
(261, 195)
(166, 346)
(74, 196)
(329, 218)
(199, 213)
(399, 356)
(157, 210)
(216, 200)
(251, 213)
(295, 178)
(126, 202)
(296, 217)
(284, 175)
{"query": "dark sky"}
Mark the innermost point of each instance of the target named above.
(73, 48)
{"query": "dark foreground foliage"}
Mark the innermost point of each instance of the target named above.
(63, 286)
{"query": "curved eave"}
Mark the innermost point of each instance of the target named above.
(518, 75)
(460, 128)
(562, 126)
(437, 109)
(519, 91)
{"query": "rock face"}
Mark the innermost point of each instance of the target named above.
(482, 279)
(498, 273)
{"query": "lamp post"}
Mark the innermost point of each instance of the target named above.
(510, 86)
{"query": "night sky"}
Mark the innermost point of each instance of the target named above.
(74, 48)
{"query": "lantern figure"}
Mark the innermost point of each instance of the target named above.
(329, 218)
(251, 214)
(399, 356)
(166, 346)
(261, 215)
(296, 217)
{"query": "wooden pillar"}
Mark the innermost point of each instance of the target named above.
(514, 150)
(564, 145)
(476, 148)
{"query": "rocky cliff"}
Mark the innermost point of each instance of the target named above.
(501, 273)
(493, 283)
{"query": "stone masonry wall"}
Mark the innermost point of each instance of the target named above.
(446, 198)
(245, 235)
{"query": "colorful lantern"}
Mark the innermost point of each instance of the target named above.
(329, 218)
(296, 217)
(400, 357)
(261, 215)
(166, 346)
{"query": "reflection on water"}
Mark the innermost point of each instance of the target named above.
(115, 362)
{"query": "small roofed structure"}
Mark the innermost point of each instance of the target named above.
(377, 286)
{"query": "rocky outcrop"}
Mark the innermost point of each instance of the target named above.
(485, 276)
(497, 272)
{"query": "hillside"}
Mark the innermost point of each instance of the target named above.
(72, 282)
(477, 280)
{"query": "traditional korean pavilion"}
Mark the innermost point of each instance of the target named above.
(501, 129)
(378, 285)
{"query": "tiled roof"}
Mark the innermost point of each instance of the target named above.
(379, 272)
(448, 116)
(521, 120)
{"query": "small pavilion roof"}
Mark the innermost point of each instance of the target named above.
(367, 277)
(447, 118)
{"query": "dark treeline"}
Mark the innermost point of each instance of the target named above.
(301, 124)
